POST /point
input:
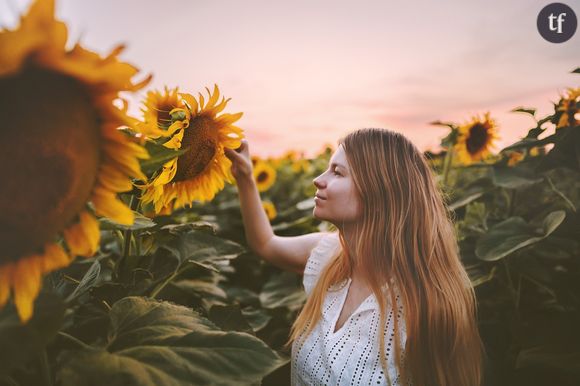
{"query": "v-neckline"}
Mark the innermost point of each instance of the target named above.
(341, 306)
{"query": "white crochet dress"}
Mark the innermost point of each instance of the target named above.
(349, 356)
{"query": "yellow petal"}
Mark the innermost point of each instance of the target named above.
(113, 180)
(167, 173)
(83, 237)
(175, 141)
(107, 205)
(191, 101)
(214, 98)
(26, 283)
(126, 162)
(5, 275)
(54, 258)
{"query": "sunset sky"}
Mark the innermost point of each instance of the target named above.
(307, 72)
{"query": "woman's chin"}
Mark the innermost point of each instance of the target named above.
(316, 213)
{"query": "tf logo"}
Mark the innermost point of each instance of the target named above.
(557, 22)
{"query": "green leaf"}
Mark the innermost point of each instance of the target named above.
(480, 275)
(229, 318)
(465, 200)
(514, 177)
(203, 247)
(282, 291)
(257, 317)
(141, 222)
(530, 111)
(21, 342)
(88, 280)
(155, 343)
(158, 156)
(513, 234)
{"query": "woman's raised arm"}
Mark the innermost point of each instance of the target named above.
(289, 253)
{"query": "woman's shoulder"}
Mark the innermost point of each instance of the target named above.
(320, 255)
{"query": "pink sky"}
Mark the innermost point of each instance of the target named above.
(307, 72)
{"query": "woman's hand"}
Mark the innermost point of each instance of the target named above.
(241, 161)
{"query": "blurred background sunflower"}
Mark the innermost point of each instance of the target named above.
(264, 175)
(569, 108)
(60, 133)
(201, 172)
(270, 209)
(476, 139)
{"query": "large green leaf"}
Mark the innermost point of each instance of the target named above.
(21, 342)
(513, 234)
(229, 318)
(202, 247)
(514, 177)
(155, 343)
(282, 291)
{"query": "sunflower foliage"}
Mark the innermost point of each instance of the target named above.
(517, 218)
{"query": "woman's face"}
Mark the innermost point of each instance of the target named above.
(336, 200)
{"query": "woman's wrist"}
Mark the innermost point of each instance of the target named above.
(245, 179)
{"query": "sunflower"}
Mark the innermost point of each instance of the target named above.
(475, 139)
(270, 209)
(199, 173)
(569, 109)
(61, 133)
(265, 175)
(255, 159)
(301, 165)
(156, 108)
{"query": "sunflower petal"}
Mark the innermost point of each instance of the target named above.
(5, 275)
(54, 258)
(113, 180)
(83, 237)
(191, 101)
(26, 283)
(167, 173)
(108, 205)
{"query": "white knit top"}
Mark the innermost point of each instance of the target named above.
(349, 356)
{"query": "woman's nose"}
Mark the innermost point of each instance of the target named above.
(318, 182)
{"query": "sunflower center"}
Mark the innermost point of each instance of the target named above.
(50, 136)
(262, 176)
(201, 139)
(478, 136)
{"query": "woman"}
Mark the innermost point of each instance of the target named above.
(395, 245)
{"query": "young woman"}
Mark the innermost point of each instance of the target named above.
(389, 301)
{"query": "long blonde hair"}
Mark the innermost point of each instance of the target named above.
(407, 238)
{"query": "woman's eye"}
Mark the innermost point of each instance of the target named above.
(335, 172)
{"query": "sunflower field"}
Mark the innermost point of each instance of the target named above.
(123, 258)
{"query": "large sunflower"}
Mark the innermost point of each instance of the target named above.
(59, 131)
(199, 173)
(475, 139)
(569, 107)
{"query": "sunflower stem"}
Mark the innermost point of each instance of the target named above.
(126, 259)
(447, 165)
(45, 369)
